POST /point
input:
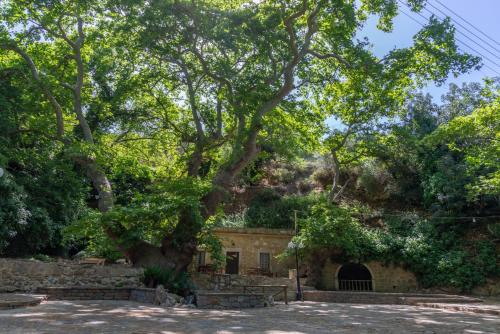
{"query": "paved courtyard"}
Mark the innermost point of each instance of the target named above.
(62, 317)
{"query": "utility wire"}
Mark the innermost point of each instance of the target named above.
(465, 35)
(426, 18)
(440, 217)
(473, 26)
(465, 44)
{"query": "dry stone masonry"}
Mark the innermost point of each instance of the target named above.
(30, 275)
(230, 300)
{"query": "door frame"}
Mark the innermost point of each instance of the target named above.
(237, 250)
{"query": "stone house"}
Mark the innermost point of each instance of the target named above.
(254, 251)
(250, 251)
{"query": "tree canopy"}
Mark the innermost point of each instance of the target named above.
(134, 120)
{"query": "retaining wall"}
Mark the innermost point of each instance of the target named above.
(229, 300)
(29, 275)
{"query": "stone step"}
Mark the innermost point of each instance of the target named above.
(350, 297)
(15, 300)
(442, 300)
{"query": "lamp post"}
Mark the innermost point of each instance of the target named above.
(296, 246)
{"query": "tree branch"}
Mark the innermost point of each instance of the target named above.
(329, 55)
(12, 46)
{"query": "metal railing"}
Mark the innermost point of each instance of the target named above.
(355, 285)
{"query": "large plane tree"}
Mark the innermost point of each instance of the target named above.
(214, 81)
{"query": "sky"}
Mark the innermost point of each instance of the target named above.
(484, 14)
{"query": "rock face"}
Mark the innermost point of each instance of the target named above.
(29, 275)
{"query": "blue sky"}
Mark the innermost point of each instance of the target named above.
(484, 14)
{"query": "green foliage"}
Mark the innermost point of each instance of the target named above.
(477, 138)
(208, 241)
(88, 233)
(43, 258)
(439, 257)
(41, 192)
(332, 227)
(268, 209)
(178, 283)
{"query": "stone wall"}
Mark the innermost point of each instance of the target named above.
(229, 300)
(385, 278)
(87, 293)
(29, 275)
(143, 295)
(207, 282)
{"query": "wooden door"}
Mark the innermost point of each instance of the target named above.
(232, 263)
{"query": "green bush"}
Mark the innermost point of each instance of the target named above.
(178, 283)
(438, 253)
(88, 233)
(268, 209)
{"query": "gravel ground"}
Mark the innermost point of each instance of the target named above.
(64, 317)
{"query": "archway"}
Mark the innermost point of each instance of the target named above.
(354, 277)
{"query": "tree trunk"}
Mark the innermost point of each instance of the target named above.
(336, 177)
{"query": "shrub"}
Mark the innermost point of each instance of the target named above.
(178, 283)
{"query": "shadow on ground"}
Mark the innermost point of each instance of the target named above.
(58, 317)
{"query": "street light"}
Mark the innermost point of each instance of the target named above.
(1, 172)
(296, 246)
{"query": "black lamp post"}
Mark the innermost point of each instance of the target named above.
(296, 246)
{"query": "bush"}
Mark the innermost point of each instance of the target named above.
(88, 233)
(439, 255)
(178, 283)
(270, 210)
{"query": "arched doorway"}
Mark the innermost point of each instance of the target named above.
(354, 277)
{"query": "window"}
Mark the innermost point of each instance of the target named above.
(265, 261)
(201, 258)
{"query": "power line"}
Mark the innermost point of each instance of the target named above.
(423, 25)
(473, 26)
(465, 35)
(441, 217)
(479, 53)
(466, 29)
(465, 44)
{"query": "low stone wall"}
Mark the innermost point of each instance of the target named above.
(29, 275)
(87, 293)
(208, 283)
(229, 300)
(383, 298)
(143, 295)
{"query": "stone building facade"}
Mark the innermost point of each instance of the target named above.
(249, 250)
(251, 247)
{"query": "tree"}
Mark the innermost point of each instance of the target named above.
(476, 136)
(223, 76)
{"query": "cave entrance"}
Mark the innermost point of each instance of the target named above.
(354, 277)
